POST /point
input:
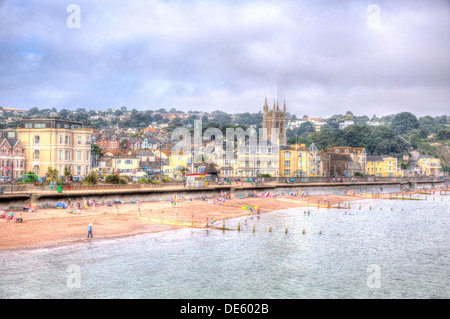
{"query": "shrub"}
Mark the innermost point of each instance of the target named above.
(143, 180)
(113, 178)
(91, 179)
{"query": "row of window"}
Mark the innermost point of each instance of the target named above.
(79, 170)
(378, 169)
(7, 152)
(59, 125)
(65, 138)
(19, 163)
(66, 155)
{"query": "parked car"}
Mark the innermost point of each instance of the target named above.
(28, 178)
(78, 179)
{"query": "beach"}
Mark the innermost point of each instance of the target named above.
(53, 226)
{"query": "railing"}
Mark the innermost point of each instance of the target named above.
(6, 189)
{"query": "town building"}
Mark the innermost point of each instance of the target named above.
(344, 161)
(383, 166)
(429, 166)
(275, 119)
(59, 144)
(12, 156)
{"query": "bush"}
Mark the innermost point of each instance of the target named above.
(91, 179)
(123, 180)
(113, 178)
(165, 180)
(143, 180)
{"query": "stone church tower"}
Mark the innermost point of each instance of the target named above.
(275, 118)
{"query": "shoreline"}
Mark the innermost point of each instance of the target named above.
(54, 227)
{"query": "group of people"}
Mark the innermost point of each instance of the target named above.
(27, 208)
(10, 217)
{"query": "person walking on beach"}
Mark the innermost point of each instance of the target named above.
(90, 230)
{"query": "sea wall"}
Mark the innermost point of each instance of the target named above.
(50, 199)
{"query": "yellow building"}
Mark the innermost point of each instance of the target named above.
(383, 166)
(126, 166)
(59, 144)
(180, 164)
(295, 161)
(429, 166)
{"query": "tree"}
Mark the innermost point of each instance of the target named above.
(404, 122)
(443, 134)
(52, 174)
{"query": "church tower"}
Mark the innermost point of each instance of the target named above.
(275, 118)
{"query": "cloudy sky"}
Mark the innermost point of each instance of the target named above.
(324, 57)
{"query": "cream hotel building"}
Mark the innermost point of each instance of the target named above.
(56, 143)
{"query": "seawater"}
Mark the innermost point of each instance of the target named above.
(360, 253)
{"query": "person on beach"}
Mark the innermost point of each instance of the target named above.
(89, 230)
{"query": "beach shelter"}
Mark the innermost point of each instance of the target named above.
(61, 205)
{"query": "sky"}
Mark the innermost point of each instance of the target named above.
(320, 57)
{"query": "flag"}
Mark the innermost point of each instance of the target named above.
(175, 201)
(7, 168)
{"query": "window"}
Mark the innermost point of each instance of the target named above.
(78, 156)
(287, 172)
(28, 125)
(287, 163)
(86, 172)
(66, 139)
(60, 155)
(36, 154)
(87, 156)
(60, 139)
(36, 169)
(287, 154)
(39, 125)
(79, 140)
(37, 139)
(131, 162)
(66, 155)
(78, 170)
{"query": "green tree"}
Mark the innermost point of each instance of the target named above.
(404, 122)
(443, 134)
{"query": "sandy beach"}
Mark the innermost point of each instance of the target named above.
(54, 226)
(57, 226)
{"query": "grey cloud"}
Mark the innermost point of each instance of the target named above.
(227, 55)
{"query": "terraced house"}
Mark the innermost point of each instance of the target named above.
(12, 158)
(429, 166)
(383, 166)
(59, 144)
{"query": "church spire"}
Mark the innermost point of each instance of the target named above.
(284, 106)
(266, 107)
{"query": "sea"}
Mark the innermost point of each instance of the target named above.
(376, 249)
